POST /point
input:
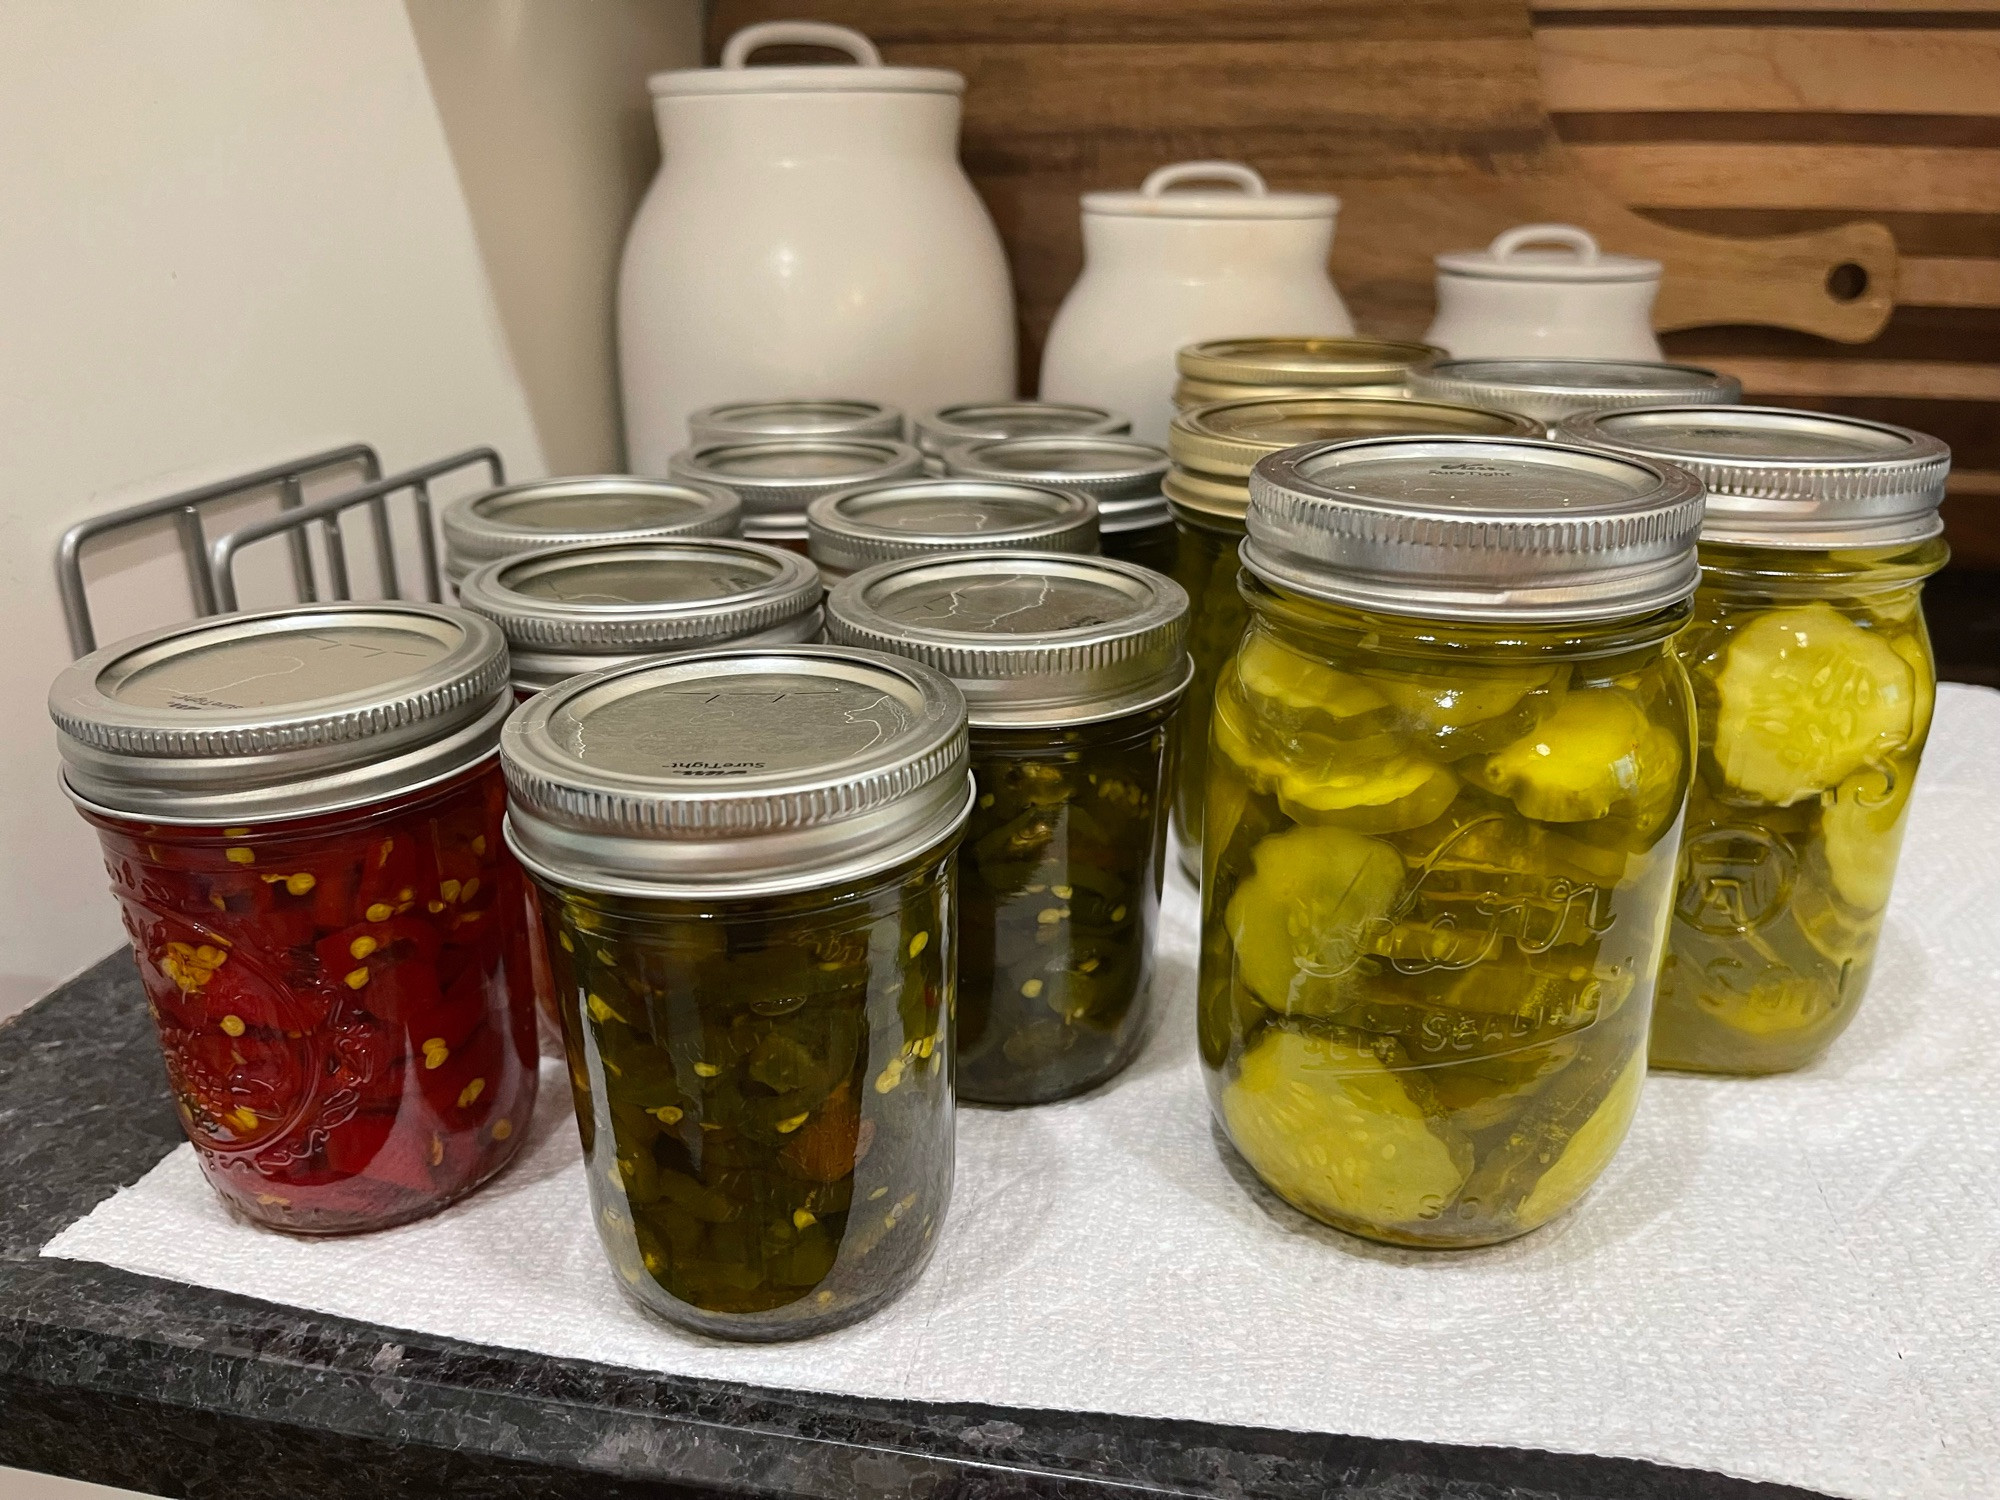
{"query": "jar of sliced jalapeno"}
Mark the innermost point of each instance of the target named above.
(584, 508)
(857, 528)
(1814, 680)
(300, 812)
(1213, 449)
(1446, 777)
(582, 609)
(744, 862)
(1121, 474)
(1072, 667)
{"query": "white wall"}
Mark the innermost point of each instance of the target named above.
(230, 233)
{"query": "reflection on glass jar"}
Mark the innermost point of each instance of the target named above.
(1444, 795)
(1072, 668)
(1814, 681)
(326, 920)
(745, 864)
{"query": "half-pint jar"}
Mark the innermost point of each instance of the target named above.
(1121, 474)
(990, 421)
(757, 421)
(584, 508)
(1814, 682)
(744, 857)
(1551, 389)
(1446, 778)
(1246, 368)
(873, 523)
(1071, 668)
(777, 478)
(300, 811)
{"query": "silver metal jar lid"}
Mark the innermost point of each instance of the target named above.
(1781, 478)
(757, 421)
(875, 523)
(735, 771)
(567, 610)
(1475, 528)
(280, 714)
(1551, 389)
(990, 421)
(777, 478)
(1120, 473)
(1032, 639)
(581, 508)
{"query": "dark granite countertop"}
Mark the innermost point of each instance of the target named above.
(125, 1380)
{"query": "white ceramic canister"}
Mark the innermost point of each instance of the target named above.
(1576, 302)
(810, 230)
(1162, 269)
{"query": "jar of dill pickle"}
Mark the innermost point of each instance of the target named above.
(744, 859)
(1814, 683)
(1446, 777)
(1213, 449)
(1071, 667)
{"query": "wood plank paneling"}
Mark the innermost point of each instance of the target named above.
(1864, 70)
(1907, 378)
(1561, 10)
(1946, 281)
(1858, 179)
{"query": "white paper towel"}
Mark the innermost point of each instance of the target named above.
(1793, 1279)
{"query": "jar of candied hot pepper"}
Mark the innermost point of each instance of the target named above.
(581, 508)
(1120, 473)
(1213, 449)
(1814, 682)
(300, 811)
(582, 609)
(873, 523)
(1071, 668)
(744, 858)
(1446, 777)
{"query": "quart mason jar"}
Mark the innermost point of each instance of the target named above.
(1549, 389)
(777, 478)
(744, 857)
(600, 508)
(582, 609)
(857, 528)
(1071, 667)
(1213, 449)
(1121, 474)
(1249, 369)
(300, 812)
(1446, 781)
(1814, 683)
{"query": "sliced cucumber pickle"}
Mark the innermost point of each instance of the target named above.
(1596, 755)
(1301, 921)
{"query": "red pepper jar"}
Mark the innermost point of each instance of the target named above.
(300, 812)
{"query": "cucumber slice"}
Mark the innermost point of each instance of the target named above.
(1596, 755)
(1273, 672)
(1301, 921)
(1805, 698)
(1332, 1130)
(1589, 1151)
(1405, 791)
(1862, 829)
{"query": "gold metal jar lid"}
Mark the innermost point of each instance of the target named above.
(1190, 393)
(1299, 361)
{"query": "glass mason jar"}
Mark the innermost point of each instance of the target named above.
(857, 528)
(1814, 683)
(1071, 667)
(744, 862)
(546, 513)
(1213, 449)
(300, 811)
(582, 609)
(1551, 389)
(1252, 369)
(989, 421)
(1446, 780)
(1120, 473)
(757, 421)
(777, 478)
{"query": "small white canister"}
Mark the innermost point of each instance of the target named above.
(1162, 269)
(1575, 302)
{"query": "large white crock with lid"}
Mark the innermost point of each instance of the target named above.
(1164, 268)
(810, 230)
(1573, 302)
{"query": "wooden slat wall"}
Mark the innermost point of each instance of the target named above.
(1757, 119)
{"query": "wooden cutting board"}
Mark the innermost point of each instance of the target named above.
(1425, 116)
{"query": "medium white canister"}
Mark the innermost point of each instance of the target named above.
(1574, 302)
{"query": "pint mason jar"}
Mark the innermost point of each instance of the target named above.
(300, 813)
(744, 858)
(571, 610)
(1446, 780)
(1072, 668)
(1550, 389)
(1213, 449)
(989, 421)
(776, 478)
(1814, 683)
(872, 523)
(1120, 473)
(758, 421)
(585, 508)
